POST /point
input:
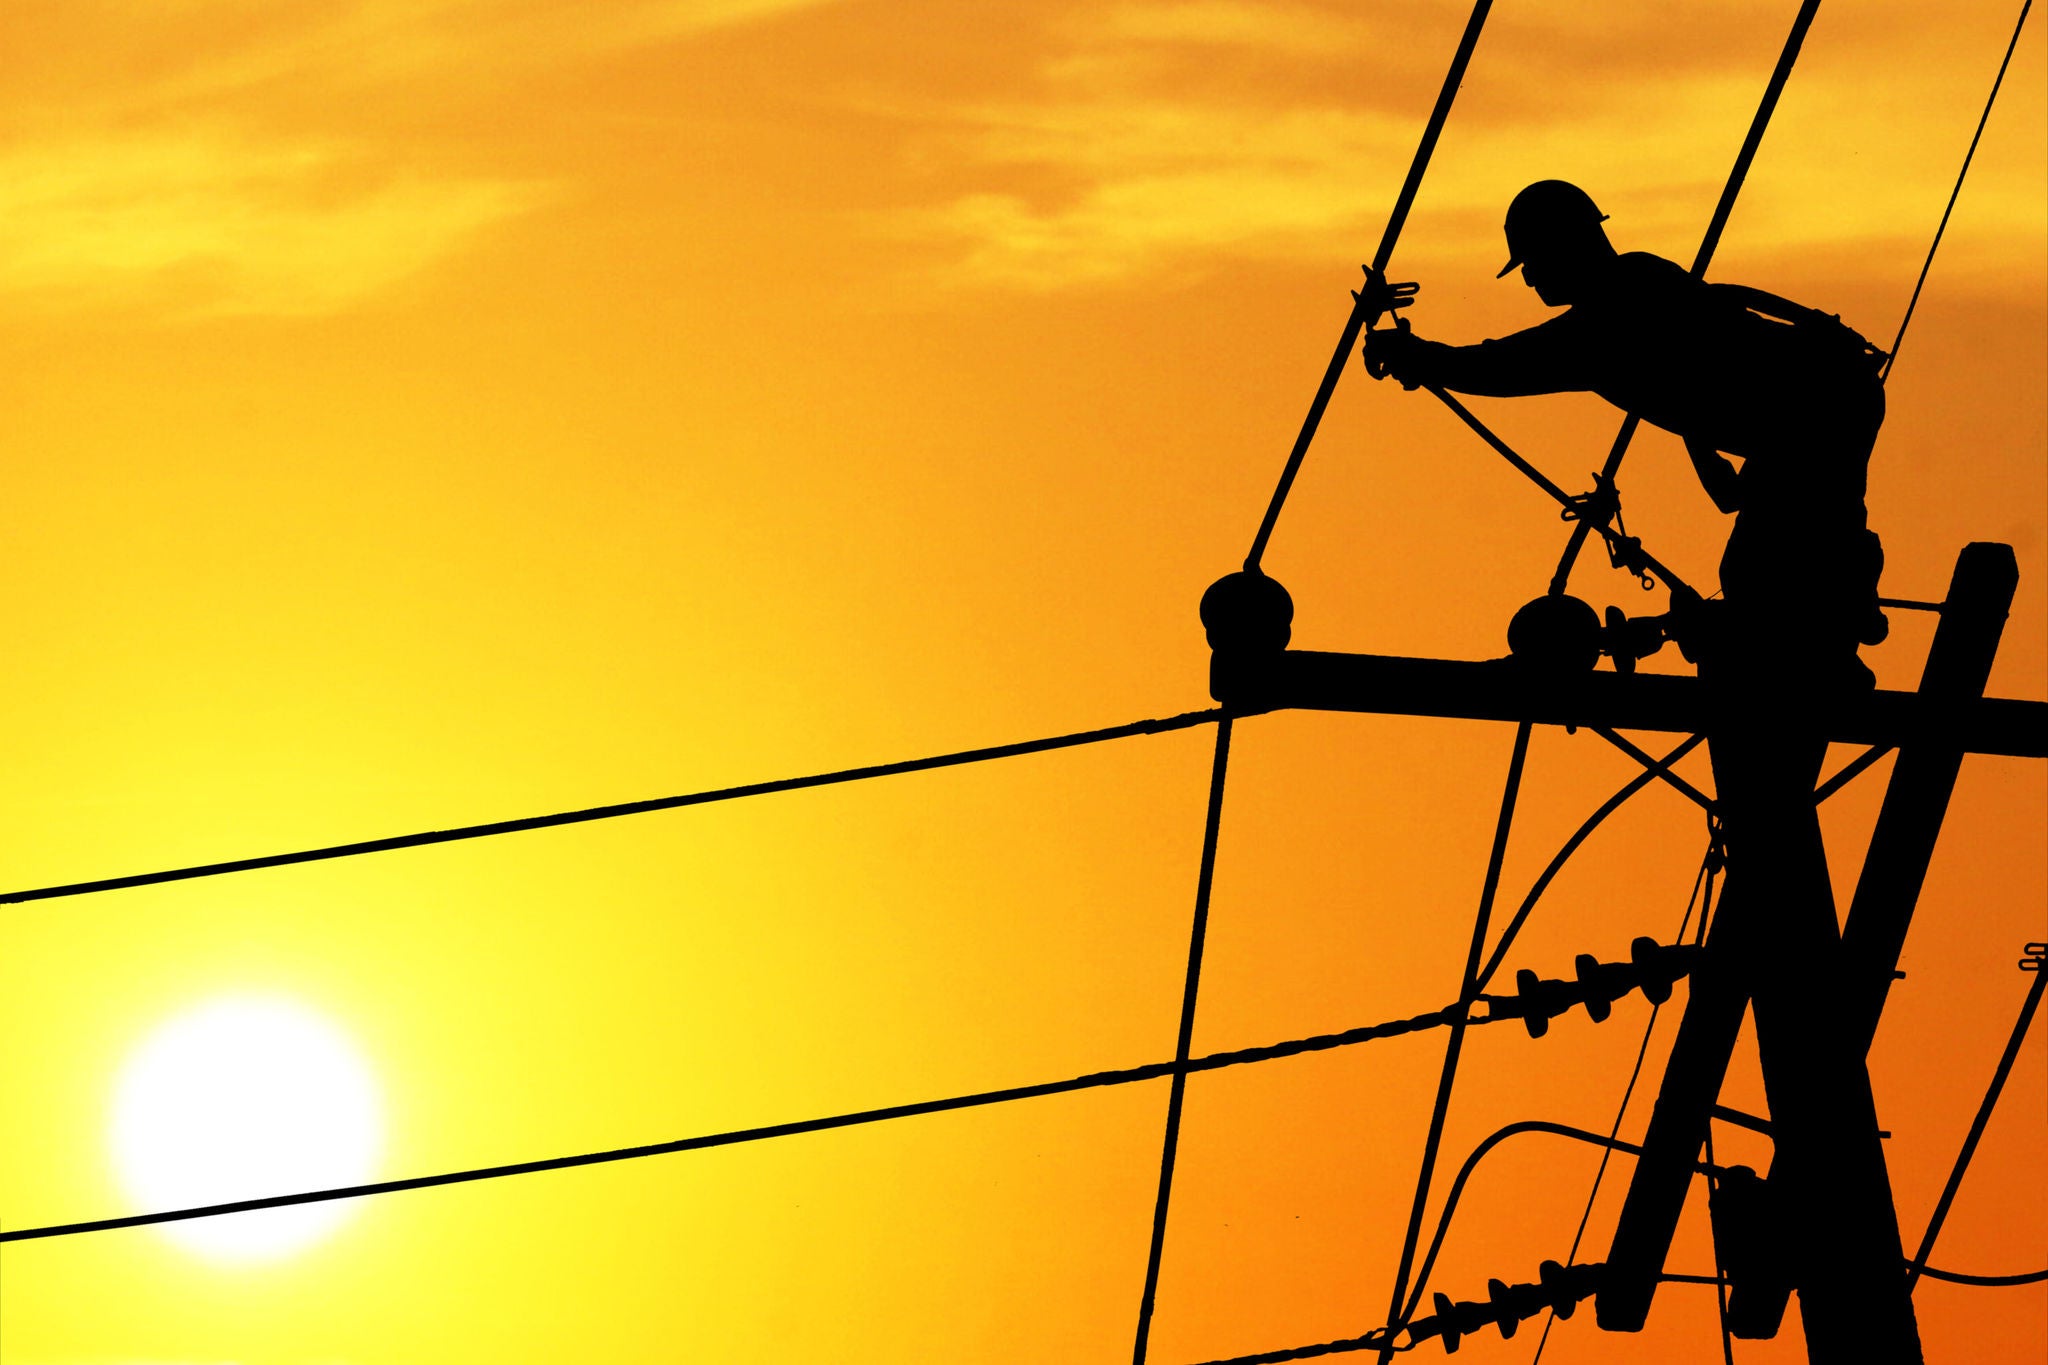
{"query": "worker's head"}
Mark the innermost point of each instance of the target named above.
(1555, 237)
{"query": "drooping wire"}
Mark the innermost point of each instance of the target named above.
(2036, 961)
(1468, 991)
(1571, 846)
(1453, 78)
(1985, 1281)
(1701, 897)
(1097, 1080)
(1184, 721)
(1382, 1336)
(1205, 881)
(1711, 240)
(1935, 245)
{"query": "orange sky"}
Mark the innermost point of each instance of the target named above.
(429, 411)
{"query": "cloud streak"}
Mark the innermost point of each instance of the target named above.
(222, 204)
(208, 225)
(1118, 166)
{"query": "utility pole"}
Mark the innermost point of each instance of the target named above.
(1773, 946)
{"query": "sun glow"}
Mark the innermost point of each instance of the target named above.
(237, 1099)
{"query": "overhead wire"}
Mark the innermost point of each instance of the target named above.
(1096, 1080)
(1382, 1337)
(1447, 94)
(1985, 1281)
(1942, 227)
(1571, 846)
(1205, 882)
(1186, 720)
(2035, 962)
(1468, 991)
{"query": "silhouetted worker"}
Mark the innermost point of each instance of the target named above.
(1797, 397)
(1794, 393)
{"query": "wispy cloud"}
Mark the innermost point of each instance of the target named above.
(376, 41)
(1133, 155)
(1293, 29)
(201, 224)
(166, 163)
(1148, 181)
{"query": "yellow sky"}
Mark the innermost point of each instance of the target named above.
(428, 411)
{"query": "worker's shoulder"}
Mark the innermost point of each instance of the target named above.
(1647, 270)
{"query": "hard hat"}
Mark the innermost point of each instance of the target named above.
(1546, 212)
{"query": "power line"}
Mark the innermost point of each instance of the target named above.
(1454, 76)
(1467, 991)
(1537, 1001)
(1215, 1061)
(2036, 962)
(1381, 1338)
(1571, 845)
(1204, 882)
(1935, 245)
(1186, 720)
(1984, 1281)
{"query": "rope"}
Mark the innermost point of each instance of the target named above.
(2031, 963)
(1186, 720)
(1215, 1061)
(1621, 547)
(1715, 226)
(1453, 78)
(1204, 883)
(1468, 991)
(1935, 245)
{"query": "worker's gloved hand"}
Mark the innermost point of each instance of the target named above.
(1399, 354)
(1381, 296)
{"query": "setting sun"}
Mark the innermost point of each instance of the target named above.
(238, 1099)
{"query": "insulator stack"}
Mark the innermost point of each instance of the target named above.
(1558, 1289)
(1653, 968)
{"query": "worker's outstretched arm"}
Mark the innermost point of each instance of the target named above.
(1548, 358)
